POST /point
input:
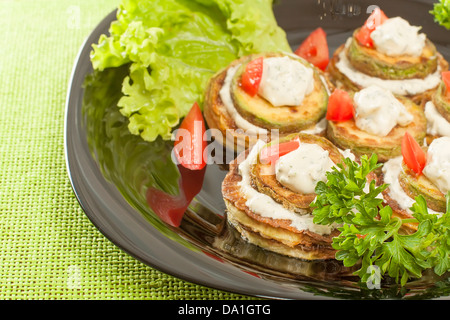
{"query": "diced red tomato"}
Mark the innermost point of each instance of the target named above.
(413, 155)
(315, 49)
(376, 18)
(340, 106)
(446, 79)
(251, 78)
(272, 153)
(189, 143)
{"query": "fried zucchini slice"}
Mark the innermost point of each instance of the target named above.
(265, 181)
(347, 135)
(340, 80)
(415, 185)
(441, 102)
(376, 64)
(217, 116)
(262, 113)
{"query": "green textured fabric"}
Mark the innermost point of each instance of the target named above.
(48, 247)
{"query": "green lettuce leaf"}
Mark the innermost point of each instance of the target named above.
(174, 47)
(441, 13)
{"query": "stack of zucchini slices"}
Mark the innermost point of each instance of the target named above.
(270, 214)
(243, 118)
(423, 171)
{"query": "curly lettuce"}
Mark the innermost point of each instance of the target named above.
(441, 13)
(173, 47)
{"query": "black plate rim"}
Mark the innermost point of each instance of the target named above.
(246, 285)
(255, 286)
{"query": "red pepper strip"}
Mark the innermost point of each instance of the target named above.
(251, 78)
(189, 143)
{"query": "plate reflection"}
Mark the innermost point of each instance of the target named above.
(156, 187)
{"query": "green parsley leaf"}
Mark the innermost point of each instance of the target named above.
(370, 235)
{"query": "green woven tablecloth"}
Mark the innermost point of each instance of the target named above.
(49, 249)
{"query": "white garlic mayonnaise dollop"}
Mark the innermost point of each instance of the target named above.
(378, 111)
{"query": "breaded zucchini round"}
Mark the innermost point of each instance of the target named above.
(243, 119)
(274, 234)
(286, 119)
(266, 182)
(347, 135)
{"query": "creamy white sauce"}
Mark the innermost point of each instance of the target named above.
(227, 101)
(378, 111)
(285, 81)
(437, 125)
(400, 87)
(347, 153)
(267, 207)
(391, 170)
(319, 127)
(437, 168)
(300, 170)
(397, 37)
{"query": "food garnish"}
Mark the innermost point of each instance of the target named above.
(371, 235)
(251, 77)
(413, 155)
(189, 143)
(315, 49)
(340, 106)
(376, 18)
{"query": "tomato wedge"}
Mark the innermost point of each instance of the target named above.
(340, 106)
(189, 143)
(272, 153)
(413, 155)
(446, 79)
(251, 78)
(315, 49)
(376, 18)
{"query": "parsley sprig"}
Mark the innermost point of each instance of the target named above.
(441, 13)
(369, 232)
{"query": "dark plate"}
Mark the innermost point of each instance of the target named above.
(111, 171)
